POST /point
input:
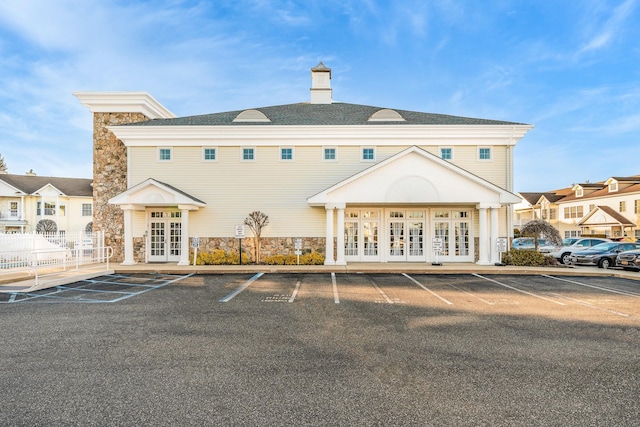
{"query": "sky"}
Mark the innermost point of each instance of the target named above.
(571, 68)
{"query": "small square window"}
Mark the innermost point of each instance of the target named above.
(368, 154)
(209, 154)
(164, 154)
(329, 153)
(87, 209)
(248, 154)
(484, 153)
(446, 153)
(286, 153)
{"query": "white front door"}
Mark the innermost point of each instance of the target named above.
(453, 227)
(361, 235)
(406, 231)
(165, 235)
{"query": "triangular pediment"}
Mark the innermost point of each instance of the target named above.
(155, 193)
(414, 176)
(604, 215)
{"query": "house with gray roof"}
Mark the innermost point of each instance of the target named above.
(356, 183)
(30, 202)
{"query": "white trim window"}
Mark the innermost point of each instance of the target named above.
(485, 154)
(87, 209)
(248, 154)
(209, 154)
(286, 154)
(368, 154)
(330, 154)
(165, 154)
(446, 153)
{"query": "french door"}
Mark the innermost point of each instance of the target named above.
(405, 235)
(453, 228)
(361, 235)
(165, 236)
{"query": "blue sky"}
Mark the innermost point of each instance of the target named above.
(569, 67)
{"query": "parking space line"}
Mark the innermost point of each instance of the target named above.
(446, 301)
(384, 295)
(295, 291)
(336, 298)
(519, 290)
(630, 294)
(244, 286)
(587, 304)
(161, 285)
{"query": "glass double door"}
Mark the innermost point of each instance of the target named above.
(165, 236)
(406, 236)
(453, 230)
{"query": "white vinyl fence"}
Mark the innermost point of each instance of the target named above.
(37, 254)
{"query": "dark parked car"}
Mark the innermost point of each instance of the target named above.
(629, 260)
(603, 255)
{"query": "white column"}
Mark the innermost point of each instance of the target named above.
(184, 237)
(128, 238)
(495, 255)
(484, 238)
(328, 258)
(340, 230)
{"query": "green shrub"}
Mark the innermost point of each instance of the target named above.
(528, 258)
(220, 257)
(313, 258)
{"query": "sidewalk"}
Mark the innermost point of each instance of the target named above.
(24, 284)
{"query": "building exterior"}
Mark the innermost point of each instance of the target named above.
(66, 204)
(608, 208)
(354, 182)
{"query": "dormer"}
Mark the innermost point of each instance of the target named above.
(386, 115)
(612, 184)
(578, 190)
(251, 116)
(321, 84)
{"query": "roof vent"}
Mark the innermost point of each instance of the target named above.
(386, 115)
(251, 116)
(30, 173)
(320, 84)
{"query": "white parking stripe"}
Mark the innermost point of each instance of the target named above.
(244, 286)
(375, 285)
(427, 289)
(519, 290)
(586, 304)
(631, 294)
(295, 292)
(470, 294)
(336, 298)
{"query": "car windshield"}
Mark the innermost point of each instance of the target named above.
(569, 242)
(603, 247)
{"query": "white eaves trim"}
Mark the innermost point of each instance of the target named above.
(261, 135)
(124, 102)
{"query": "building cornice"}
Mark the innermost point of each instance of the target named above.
(124, 102)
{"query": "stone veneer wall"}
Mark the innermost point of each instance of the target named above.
(110, 178)
(269, 246)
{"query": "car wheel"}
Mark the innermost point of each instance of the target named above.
(566, 258)
(605, 263)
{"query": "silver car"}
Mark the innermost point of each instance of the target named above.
(573, 244)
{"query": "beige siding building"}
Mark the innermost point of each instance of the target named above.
(354, 182)
(41, 203)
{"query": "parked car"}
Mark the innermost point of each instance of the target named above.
(527, 243)
(629, 260)
(573, 244)
(603, 255)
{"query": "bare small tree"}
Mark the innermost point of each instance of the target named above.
(256, 221)
(540, 229)
(3, 164)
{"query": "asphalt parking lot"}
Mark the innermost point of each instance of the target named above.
(324, 349)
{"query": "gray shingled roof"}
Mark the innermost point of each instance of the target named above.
(29, 184)
(335, 114)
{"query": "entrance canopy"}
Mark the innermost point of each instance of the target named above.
(414, 176)
(153, 193)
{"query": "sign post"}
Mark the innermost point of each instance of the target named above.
(298, 251)
(501, 247)
(240, 235)
(436, 244)
(195, 242)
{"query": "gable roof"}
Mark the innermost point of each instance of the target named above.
(334, 114)
(152, 192)
(31, 184)
(414, 176)
(604, 215)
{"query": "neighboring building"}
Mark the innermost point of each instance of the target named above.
(608, 208)
(26, 200)
(354, 182)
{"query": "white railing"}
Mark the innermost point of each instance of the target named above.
(33, 255)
